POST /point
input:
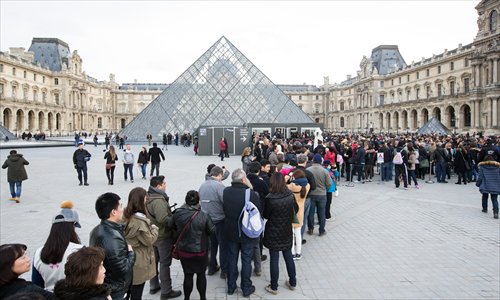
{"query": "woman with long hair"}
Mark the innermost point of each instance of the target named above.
(111, 159)
(49, 260)
(141, 235)
(246, 158)
(143, 161)
(194, 228)
(15, 261)
(85, 274)
(278, 236)
(299, 187)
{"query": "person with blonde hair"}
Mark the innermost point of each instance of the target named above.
(246, 158)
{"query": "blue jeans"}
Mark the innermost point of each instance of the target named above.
(143, 170)
(412, 175)
(441, 171)
(233, 249)
(129, 168)
(317, 203)
(494, 201)
(387, 171)
(275, 269)
(217, 244)
(15, 188)
(307, 207)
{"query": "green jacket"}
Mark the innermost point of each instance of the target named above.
(159, 212)
(16, 171)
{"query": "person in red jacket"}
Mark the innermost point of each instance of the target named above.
(222, 148)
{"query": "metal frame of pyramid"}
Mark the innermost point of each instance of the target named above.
(4, 132)
(434, 126)
(222, 87)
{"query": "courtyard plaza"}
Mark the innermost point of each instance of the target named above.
(384, 243)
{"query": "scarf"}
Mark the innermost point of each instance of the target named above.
(300, 181)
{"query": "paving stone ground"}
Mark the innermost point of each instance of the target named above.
(385, 243)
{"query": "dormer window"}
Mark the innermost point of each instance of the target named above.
(493, 20)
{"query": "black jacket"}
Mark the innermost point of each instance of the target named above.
(154, 155)
(279, 210)
(64, 292)
(143, 158)
(195, 238)
(79, 157)
(118, 262)
(109, 159)
(259, 185)
(234, 200)
(21, 286)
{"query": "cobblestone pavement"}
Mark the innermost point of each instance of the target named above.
(384, 243)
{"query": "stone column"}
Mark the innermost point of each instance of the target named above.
(489, 78)
(474, 76)
(494, 112)
(476, 114)
(495, 70)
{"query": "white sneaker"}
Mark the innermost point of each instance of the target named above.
(297, 257)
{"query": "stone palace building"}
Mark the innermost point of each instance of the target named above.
(46, 90)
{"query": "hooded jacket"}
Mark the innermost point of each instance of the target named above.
(159, 212)
(16, 171)
(279, 212)
(488, 180)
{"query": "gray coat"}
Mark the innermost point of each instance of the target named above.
(16, 171)
(321, 178)
(488, 180)
(211, 192)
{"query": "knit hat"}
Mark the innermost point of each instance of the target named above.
(326, 163)
(67, 214)
(317, 159)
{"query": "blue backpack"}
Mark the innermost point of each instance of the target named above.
(252, 223)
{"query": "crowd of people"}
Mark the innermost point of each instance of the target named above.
(290, 183)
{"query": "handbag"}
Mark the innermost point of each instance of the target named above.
(176, 252)
(108, 166)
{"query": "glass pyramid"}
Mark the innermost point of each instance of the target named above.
(221, 88)
(434, 126)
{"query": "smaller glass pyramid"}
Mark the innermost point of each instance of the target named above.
(221, 88)
(434, 126)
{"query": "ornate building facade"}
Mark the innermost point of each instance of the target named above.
(45, 90)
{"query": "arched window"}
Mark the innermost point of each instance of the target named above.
(493, 20)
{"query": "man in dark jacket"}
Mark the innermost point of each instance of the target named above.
(80, 158)
(154, 157)
(109, 235)
(159, 212)
(16, 173)
(234, 200)
(400, 169)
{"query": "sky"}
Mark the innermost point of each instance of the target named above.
(292, 42)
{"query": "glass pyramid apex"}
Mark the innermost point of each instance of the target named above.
(221, 88)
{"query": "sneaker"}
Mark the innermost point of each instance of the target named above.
(212, 272)
(86, 184)
(291, 287)
(485, 210)
(18, 199)
(310, 231)
(406, 188)
(297, 257)
(322, 233)
(356, 181)
(270, 290)
(13, 199)
(258, 273)
(417, 187)
(131, 180)
(304, 241)
(251, 291)
(495, 215)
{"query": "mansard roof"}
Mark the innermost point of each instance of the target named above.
(387, 59)
(51, 53)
